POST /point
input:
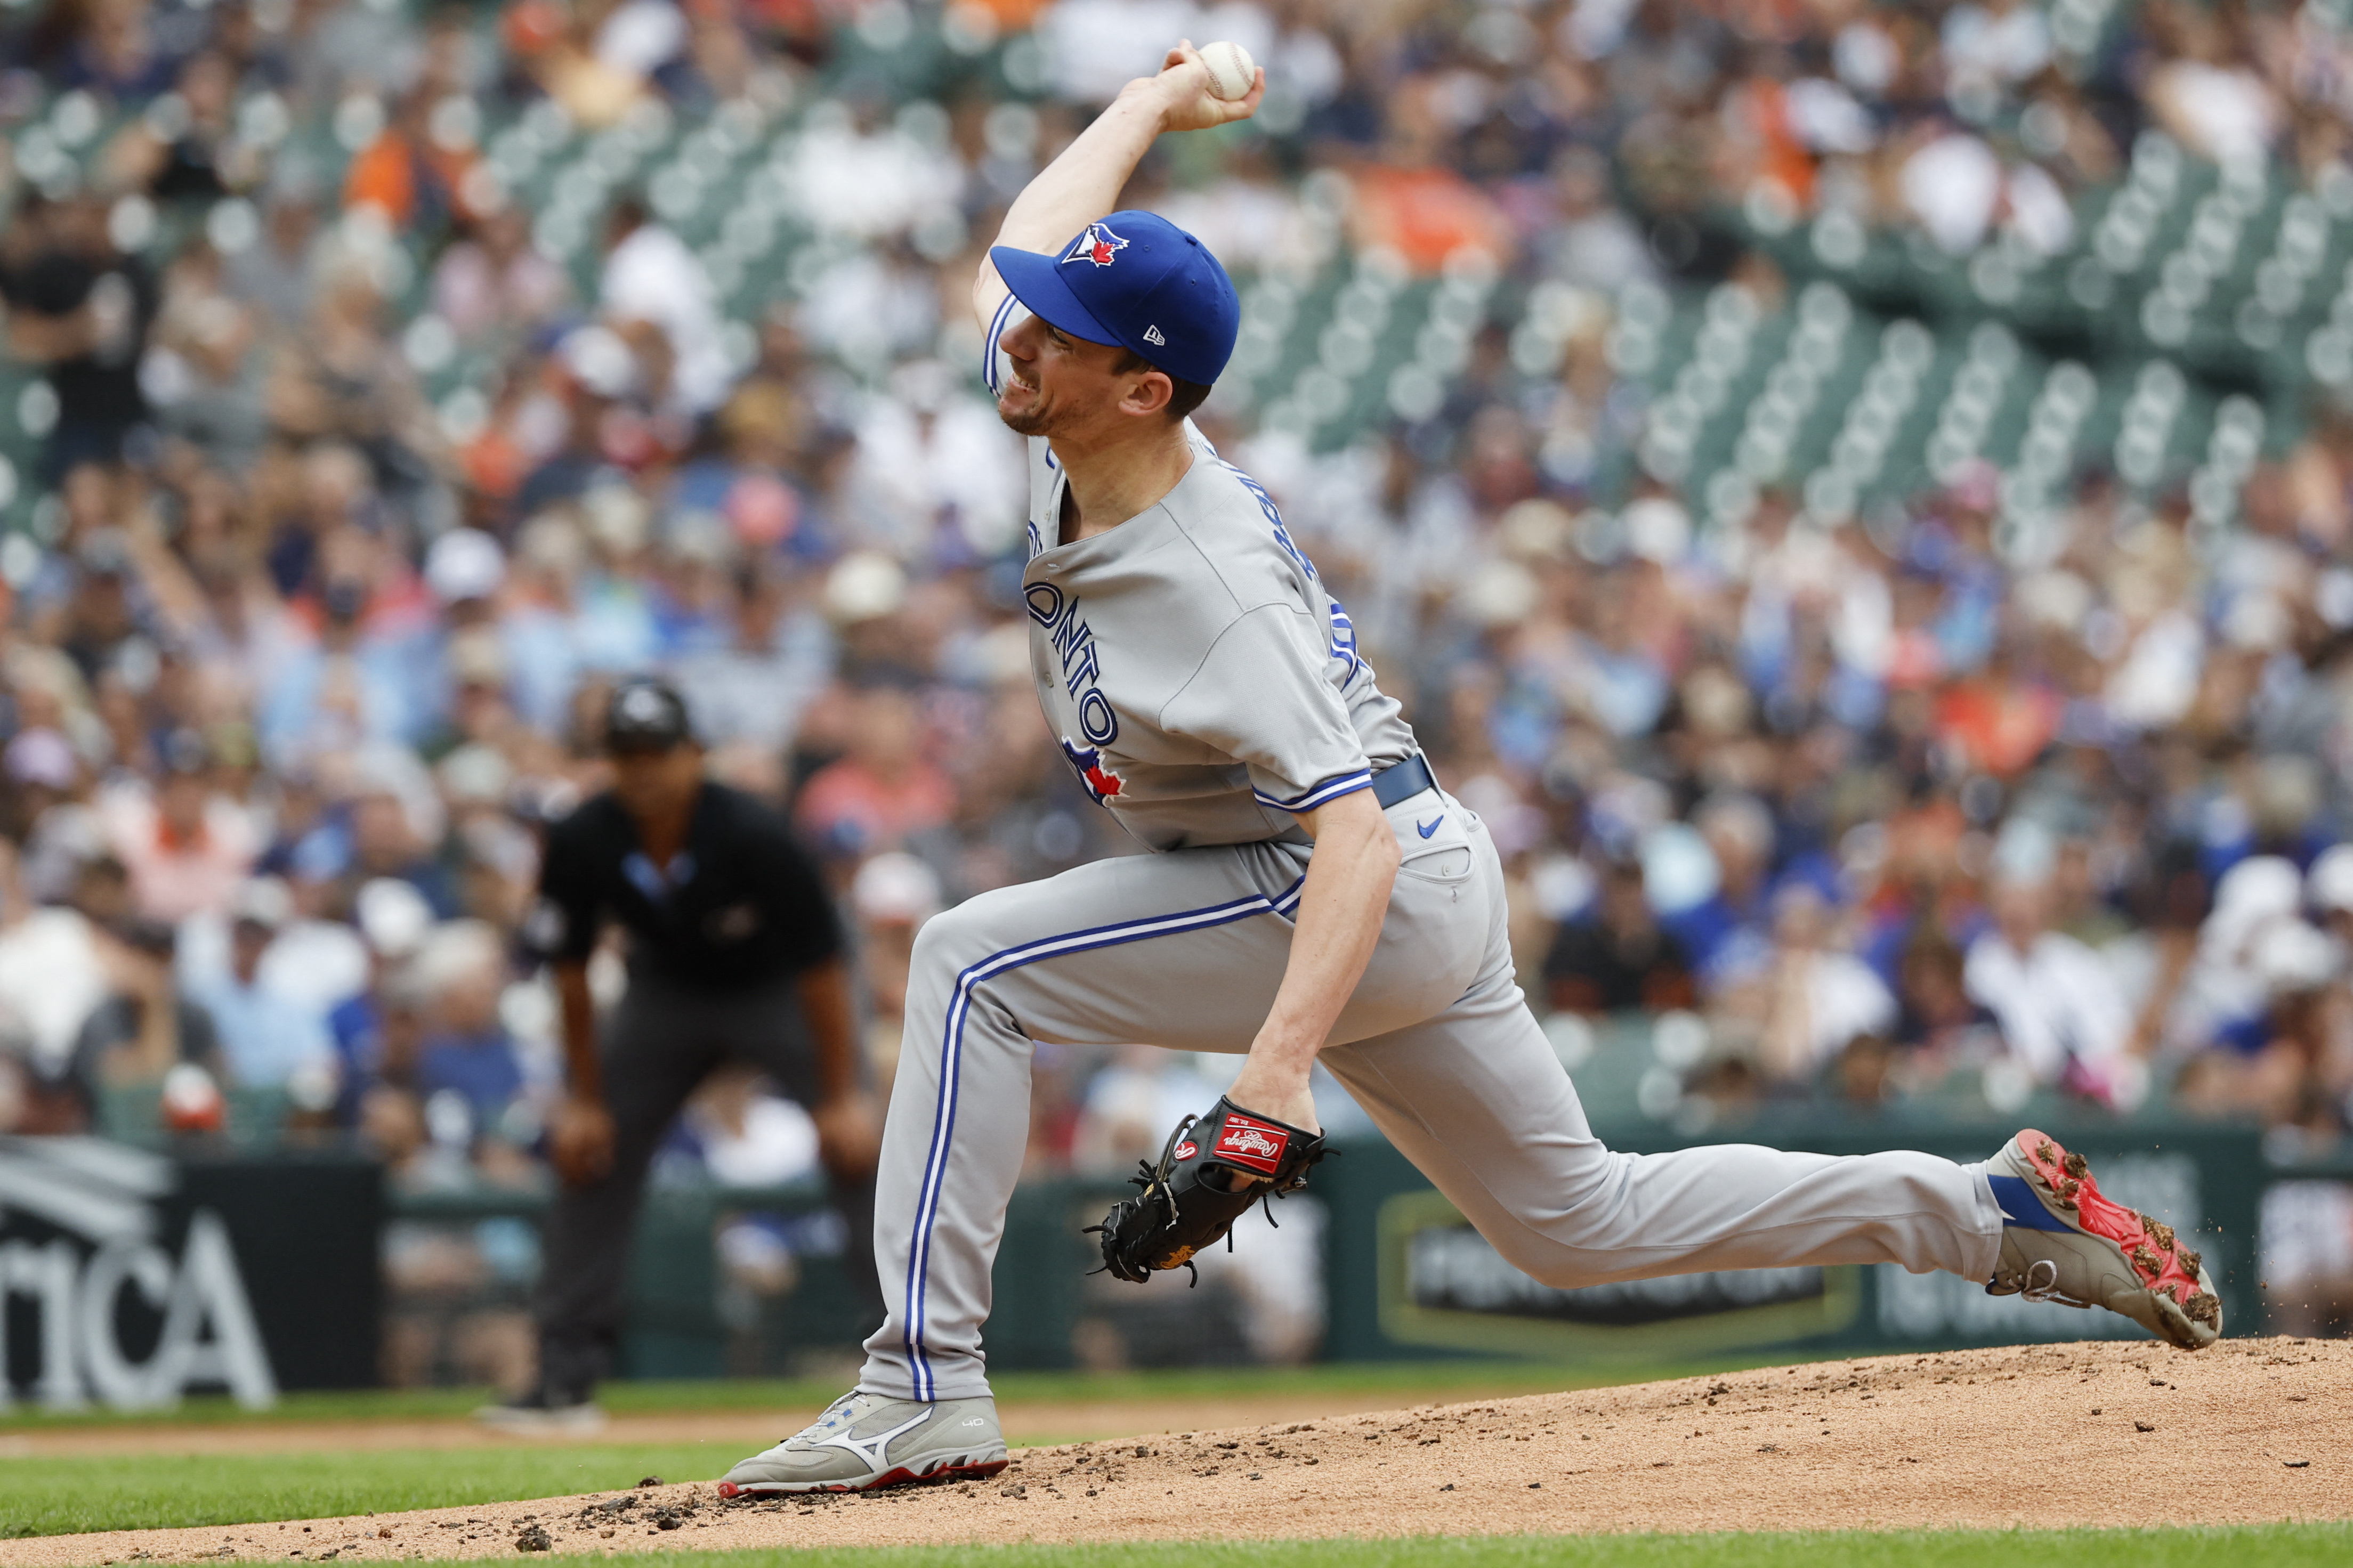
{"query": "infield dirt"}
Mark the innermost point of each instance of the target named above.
(1030, 1421)
(2097, 1434)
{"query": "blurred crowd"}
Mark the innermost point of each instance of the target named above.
(297, 659)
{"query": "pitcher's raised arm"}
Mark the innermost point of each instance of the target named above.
(1084, 182)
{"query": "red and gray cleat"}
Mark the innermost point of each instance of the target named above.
(2063, 1241)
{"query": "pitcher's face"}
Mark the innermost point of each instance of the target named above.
(1059, 386)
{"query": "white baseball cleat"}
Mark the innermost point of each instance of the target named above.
(866, 1441)
(2063, 1241)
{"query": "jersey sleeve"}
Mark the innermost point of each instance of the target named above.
(563, 925)
(1262, 696)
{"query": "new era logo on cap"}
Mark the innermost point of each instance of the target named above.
(1151, 335)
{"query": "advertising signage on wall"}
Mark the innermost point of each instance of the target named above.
(1443, 1286)
(1408, 1275)
(128, 1279)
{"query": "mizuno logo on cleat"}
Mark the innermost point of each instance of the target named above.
(875, 1449)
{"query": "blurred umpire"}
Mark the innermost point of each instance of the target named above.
(735, 954)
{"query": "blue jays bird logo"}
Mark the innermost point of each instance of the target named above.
(1101, 781)
(1098, 244)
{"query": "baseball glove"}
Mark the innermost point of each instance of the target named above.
(1211, 1169)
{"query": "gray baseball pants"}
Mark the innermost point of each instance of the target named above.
(1186, 950)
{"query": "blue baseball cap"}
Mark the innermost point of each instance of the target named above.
(1136, 281)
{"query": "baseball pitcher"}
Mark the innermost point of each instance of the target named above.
(1313, 894)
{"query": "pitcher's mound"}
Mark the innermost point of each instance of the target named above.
(2250, 1430)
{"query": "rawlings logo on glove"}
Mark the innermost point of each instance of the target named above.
(1211, 1169)
(1257, 1144)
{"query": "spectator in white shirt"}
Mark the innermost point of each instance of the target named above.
(2054, 999)
(266, 1038)
(651, 278)
(1820, 998)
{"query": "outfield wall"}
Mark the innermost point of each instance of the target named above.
(130, 1276)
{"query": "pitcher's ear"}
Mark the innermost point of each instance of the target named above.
(1150, 394)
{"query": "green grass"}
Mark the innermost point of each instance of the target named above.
(62, 1496)
(1409, 1380)
(427, 1403)
(59, 1495)
(43, 1496)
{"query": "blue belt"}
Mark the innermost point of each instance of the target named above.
(1403, 781)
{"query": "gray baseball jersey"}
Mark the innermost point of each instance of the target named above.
(1205, 686)
(1202, 681)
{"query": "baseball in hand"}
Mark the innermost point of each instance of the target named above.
(1231, 70)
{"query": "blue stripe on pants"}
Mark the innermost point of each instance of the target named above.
(927, 1200)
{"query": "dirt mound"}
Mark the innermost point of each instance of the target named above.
(2049, 1435)
(1027, 1420)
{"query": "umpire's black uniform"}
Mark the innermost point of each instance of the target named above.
(717, 941)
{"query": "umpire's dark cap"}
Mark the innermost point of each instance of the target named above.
(646, 715)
